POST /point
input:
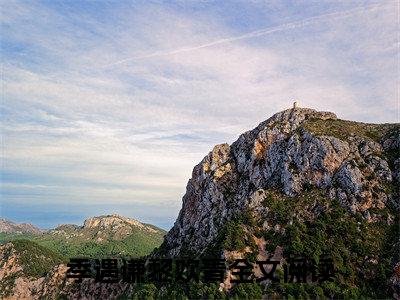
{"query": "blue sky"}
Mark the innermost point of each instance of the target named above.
(107, 105)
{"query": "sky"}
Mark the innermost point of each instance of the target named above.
(107, 106)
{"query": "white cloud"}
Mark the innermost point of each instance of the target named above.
(133, 131)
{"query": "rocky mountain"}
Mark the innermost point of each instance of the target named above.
(104, 228)
(301, 184)
(291, 152)
(7, 226)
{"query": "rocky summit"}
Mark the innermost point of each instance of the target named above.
(105, 228)
(115, 222)
(293, 151)
(301, 184)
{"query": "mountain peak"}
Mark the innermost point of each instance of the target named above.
(114, 221)
(302, 113)
(293, 117)
(293, 151)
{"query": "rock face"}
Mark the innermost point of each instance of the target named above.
(7, 226)
(115, 222)
(292, 151)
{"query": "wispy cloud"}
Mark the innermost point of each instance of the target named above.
(75, 131)
(291, 25)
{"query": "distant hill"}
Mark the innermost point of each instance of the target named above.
(102, 236)
(7, 226)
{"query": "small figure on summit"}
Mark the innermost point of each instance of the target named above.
(295, 105)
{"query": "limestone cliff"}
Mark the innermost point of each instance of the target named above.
(292, 151)
(302, 182)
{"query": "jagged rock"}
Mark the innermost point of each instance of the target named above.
(283, 154)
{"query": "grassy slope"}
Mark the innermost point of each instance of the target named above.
(139, 243)
(343, 129)
(34, 259)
